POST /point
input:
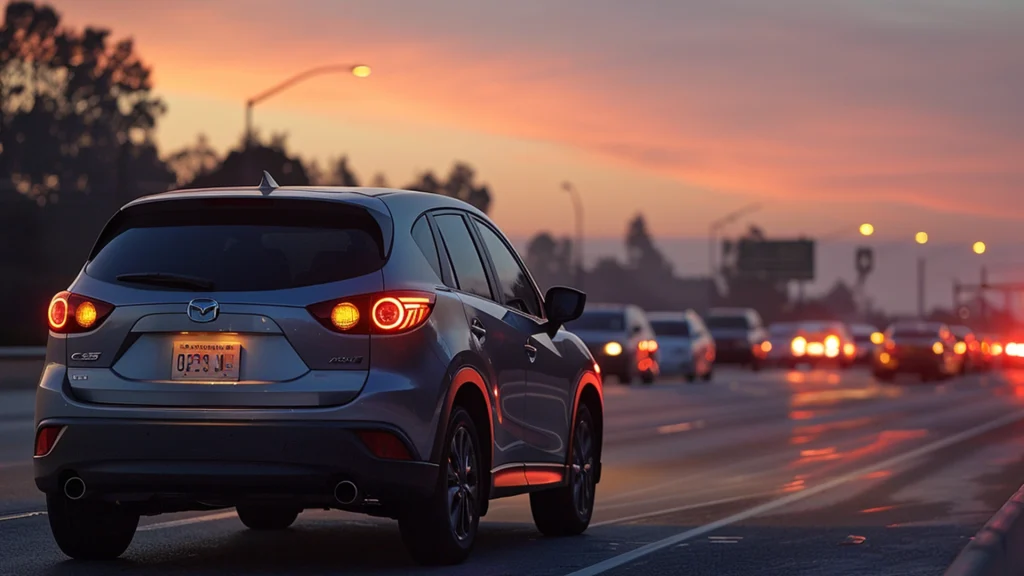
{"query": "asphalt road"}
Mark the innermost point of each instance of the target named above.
(787, 473)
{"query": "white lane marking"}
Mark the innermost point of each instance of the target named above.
(22, 515)
(626, 558)
(683, 508)
(189, 521)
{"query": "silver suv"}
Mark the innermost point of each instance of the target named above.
(280, 349)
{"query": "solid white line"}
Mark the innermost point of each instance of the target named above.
(189, 521)
(22, 515)
(626, 558)
(682, 508)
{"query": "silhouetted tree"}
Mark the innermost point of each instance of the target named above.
(641, 253)
(272, 156)
(461, 184)
(76, 111)
(341, 174)
(550, 260)
(379, 181)
(193, 161)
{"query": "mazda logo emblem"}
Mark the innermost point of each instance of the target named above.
(203, 310)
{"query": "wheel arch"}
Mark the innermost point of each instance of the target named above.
(589, 391)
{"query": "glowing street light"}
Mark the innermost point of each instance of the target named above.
(921, 237)
(866, 229)
(979, 247)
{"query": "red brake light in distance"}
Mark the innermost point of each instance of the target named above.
(70, 313)
(388, 313)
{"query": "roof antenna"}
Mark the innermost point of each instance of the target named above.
(267, 184)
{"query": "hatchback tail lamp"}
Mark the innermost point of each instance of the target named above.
(46, 439)
(387, 313)
(385, 445)
(71, 313)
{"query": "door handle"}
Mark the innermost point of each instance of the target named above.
(477, 329)
(531, 352)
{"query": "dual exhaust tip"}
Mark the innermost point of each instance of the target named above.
(345, 492)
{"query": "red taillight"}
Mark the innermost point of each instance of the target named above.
(46, 438)
(389, 313)
(70, 313)
(385, 445)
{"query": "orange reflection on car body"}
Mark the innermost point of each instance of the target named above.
(801, 415)
(878, 475)
(876, 510)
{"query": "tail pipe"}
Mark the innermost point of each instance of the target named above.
(346, 492)
(74, 488)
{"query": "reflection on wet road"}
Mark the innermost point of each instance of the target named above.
(821, 472)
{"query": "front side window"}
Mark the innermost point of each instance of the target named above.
(513, 282)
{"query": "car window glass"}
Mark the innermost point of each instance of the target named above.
(466, 261)
(424, 239)
(513, 282)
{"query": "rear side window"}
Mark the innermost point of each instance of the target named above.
(239, 244)
(671, 327)
(466, 261)
(424, 238)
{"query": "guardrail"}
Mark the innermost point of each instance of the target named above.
(998, 549)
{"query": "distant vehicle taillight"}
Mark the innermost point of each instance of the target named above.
(389, 313)
(72, 313)
(799, 346)
(997, 349)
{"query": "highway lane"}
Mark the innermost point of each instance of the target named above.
(915, 469)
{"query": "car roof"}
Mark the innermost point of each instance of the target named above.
(670, 315)
(352, 194)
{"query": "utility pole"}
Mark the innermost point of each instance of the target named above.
(921, 308)
(577, 204)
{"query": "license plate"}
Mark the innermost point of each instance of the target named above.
(205, 361)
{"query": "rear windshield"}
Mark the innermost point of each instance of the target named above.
(603, 321)
(671, 327)
(239, 244)
(728, 322)
(915, 331)
(784, 329)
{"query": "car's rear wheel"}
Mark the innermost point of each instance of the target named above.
(690, 377)
(88, 529)
(442, 530)
(566, 511)
(647, 378)
(708, 375)
(267, 517)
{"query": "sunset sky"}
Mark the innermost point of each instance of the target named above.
(905, 113)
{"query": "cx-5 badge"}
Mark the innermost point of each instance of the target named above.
(203, 310)
(86, 356)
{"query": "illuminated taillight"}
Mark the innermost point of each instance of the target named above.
(877, 338)
(388, 313)
(46, 439)
(799, 346)
(960, 348)
(70, 313)
(385, 445)
(997, 349)
(849, 349)
(766, 346)
(938, 348)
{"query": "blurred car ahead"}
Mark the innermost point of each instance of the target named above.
(865, 337)
(922, 348)
(969, 348)
(621, 339)
(740, 336)
(991, 350)
(813, 343)
(780, 338)
(685, 346)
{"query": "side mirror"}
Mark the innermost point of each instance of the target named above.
(562, 305)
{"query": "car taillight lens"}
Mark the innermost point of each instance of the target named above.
(71, 313)
(389, 313)
(385, 445)
(938, 348)
(799, 346)
(46, 439)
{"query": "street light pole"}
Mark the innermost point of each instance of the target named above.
(577, 204)
(357, 70)
(921, 238)
(713, 230)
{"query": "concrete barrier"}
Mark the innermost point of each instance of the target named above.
(998, 549)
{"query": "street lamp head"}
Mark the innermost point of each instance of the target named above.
(866, 229)
(921, 237)
(361, 70)
(979, 247)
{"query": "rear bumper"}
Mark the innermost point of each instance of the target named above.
(226, 462)
(734, 355)
(912, 364)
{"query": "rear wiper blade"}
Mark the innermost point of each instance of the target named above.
(167, 279)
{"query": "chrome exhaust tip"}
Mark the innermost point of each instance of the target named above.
(74, 488)
(345, 492)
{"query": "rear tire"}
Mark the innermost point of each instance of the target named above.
(647, 378)
(90, 530)
(442, 530)
(566, 511)
(708, 375)
(691, 377)
(267, 518)
(755, 366)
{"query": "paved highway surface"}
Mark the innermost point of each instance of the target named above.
(788, 473)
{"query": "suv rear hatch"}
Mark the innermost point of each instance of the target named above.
(209, 297)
